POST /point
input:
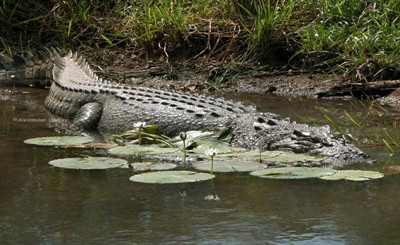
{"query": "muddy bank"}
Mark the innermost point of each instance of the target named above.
(207, 76)
(199, 76)
(293, 86)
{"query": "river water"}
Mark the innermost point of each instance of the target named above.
(40, 204)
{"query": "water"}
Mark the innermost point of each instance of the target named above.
(45, 205)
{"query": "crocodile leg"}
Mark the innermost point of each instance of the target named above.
(87, 117)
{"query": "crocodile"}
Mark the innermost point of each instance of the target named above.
(77, 93)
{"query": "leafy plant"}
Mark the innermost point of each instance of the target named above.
(150, 133)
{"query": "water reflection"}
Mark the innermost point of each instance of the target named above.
(41, 204)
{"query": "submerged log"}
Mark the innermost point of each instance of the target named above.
(361, 89)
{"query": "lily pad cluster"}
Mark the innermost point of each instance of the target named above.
(226, 152)
(228, 159)
(269, 156)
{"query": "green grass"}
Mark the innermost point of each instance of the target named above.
(358, 38)
(372, 124)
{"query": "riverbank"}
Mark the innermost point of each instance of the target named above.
(284, 47)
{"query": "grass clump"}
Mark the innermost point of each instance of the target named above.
(357, 38)
(372, 124)
(353, 37)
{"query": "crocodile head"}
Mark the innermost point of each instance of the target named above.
(271, 133)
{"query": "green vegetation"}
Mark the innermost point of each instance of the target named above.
(372, 124)
(357, 38)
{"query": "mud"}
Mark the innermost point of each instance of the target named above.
(210, 77)
(181, 72)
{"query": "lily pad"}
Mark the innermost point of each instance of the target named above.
(248, 155)
(143, 166)
(138, 149)
(88, 163)
(293, 173)
(354, 175)
(270, 156)
(199, 137)
(228, 166)
(59, 140)
(170, 177)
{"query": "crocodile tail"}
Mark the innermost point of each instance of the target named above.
(27, 69)
(72, 63)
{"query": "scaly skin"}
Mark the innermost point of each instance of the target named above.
(78, 94)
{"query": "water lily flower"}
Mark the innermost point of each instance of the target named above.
(139, 124)
(211, 152)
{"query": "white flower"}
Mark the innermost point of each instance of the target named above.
(211, 152)
(139, 124)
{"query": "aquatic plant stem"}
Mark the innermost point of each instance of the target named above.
(184, 154)
(183, 136)
(140, 135)
(212, 164)
(212, 153)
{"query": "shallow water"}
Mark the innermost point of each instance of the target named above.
(41, 204)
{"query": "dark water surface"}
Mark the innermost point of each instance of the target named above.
(40, 204)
